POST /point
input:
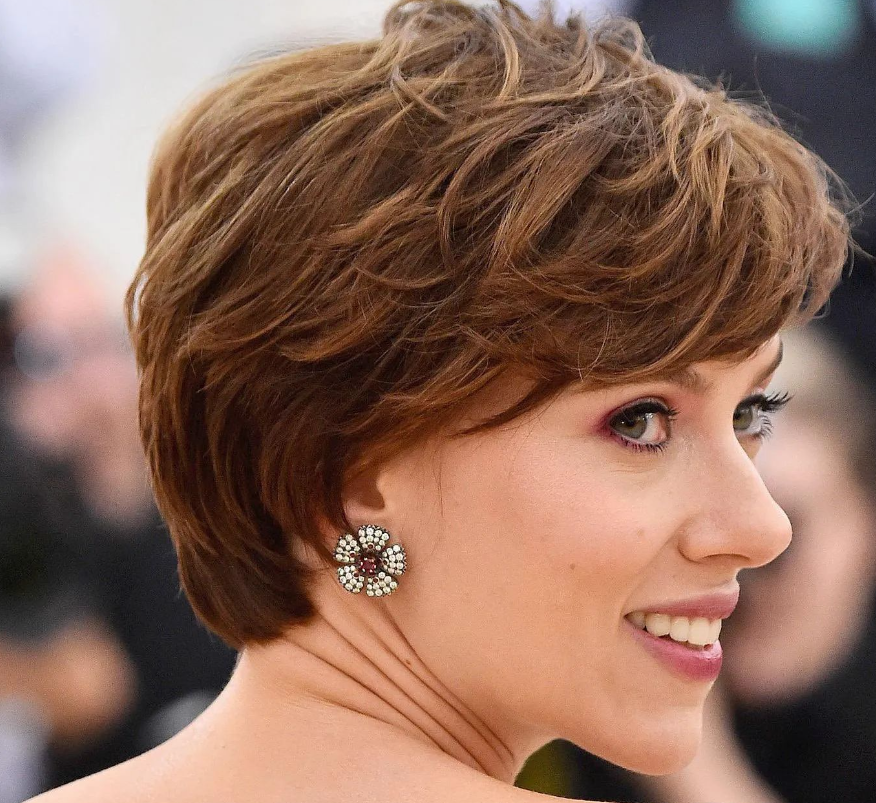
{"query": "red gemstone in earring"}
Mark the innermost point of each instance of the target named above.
(369, 565)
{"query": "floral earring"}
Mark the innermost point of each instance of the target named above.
(369, 562)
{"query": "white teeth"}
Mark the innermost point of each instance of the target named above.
(657, 624)
(638, 619)
(698, 631)
(716, 631)
(679, 629)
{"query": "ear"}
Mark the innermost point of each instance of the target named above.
(390, 492)
(365, 499)
(366, 496)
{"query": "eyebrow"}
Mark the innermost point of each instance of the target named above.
(689, 379)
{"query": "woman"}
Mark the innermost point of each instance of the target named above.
(453, 348)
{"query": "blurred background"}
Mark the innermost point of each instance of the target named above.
(100, 655)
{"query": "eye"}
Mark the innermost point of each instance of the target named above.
(753, 419)
(643, 426)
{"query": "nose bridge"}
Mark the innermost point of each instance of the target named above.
(737, 515)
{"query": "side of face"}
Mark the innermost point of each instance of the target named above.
(529, 545)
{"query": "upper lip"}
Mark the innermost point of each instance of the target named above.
(709, 606)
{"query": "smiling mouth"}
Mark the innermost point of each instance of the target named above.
(694, 632)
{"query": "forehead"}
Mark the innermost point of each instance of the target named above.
(699, 377)
(691, 378)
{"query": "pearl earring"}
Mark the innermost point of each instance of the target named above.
(368, 562)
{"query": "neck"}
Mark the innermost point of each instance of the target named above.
(352, 669)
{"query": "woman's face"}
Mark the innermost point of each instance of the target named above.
(529, 546)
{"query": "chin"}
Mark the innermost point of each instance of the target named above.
(662, 761)
(651, 749)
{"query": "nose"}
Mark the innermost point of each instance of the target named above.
(733, 518)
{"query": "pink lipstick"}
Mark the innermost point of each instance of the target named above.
(689, 663)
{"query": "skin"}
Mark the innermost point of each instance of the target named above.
(799, 621)
(526, 547)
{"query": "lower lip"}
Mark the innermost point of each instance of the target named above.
(691, 664)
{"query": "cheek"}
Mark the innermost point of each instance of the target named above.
(536, 553)
(588, 525)
(543, 515)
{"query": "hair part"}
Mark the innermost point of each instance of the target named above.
(345, 244)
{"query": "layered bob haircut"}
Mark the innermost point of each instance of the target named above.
(346, 243)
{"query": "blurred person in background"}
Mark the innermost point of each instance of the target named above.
(69, 390)
(64, 678)
(71, 398)
(74, 395)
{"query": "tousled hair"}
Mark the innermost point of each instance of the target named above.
(346, 243)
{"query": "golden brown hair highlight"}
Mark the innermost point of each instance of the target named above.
(345, 244)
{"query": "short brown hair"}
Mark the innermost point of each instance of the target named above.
(346, 243)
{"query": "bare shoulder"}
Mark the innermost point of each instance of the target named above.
(173, 773)
(128, 782)
(125, 784)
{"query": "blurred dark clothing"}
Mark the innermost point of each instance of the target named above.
(822, 747)
(58, 564)
(827, 101)
(135, 574)
(43, 582)
(7, 336)
(852, 317)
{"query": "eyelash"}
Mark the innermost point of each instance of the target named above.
(766, 404)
